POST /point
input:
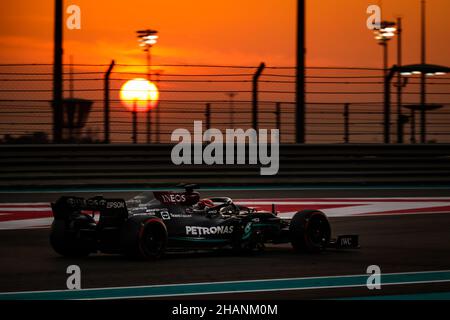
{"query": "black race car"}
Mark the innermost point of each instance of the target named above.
(173, 221)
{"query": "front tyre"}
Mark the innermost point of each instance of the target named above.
(143, 238)
(310, 231)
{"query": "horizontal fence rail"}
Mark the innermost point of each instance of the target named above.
(151, 165)
(344, 104)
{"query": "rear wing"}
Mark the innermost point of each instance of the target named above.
(66, 206)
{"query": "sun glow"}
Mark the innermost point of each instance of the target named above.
(139, 95)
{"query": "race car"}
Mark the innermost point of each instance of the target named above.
(146, 228)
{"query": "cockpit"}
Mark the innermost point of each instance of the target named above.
(220, 206)
(192, 201)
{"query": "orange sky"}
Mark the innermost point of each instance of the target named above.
(219, 32)
(222, 32)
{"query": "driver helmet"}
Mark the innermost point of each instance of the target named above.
(205, 203)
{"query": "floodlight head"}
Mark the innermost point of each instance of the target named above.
(147, 38)
(386, 31)
(429, 70)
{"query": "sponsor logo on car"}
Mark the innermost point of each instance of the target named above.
(165, 215)
(173, 198)
(76, 202)
(115, 205)
(201, 231)
(152, 211)
(181, 215)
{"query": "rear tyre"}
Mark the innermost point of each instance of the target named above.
(67, 241)
(310, 231)
(143, 238)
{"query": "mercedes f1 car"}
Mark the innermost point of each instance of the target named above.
(173, 221)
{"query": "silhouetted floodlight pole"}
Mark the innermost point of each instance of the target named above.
(383, 35)
(158, 110)
(423, 82)
(147, 39)
(401, 119)
(58, 115)
(300, 70)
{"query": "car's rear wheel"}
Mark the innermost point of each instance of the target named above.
(66, 238)
(310, 231)
(143, 238)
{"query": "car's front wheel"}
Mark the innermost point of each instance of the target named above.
(310, 231)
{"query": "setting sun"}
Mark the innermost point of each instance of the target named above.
(140, 94)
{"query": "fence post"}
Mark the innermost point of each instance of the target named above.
(135, 123)
(278, 116)
(256, 77)
(413, 127)
(157, 126)
(387, 103)
(347, 122)
(149, 126)
(158, 113)
(208, 116)
(106, 102)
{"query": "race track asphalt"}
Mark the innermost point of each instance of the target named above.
(398, 244)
